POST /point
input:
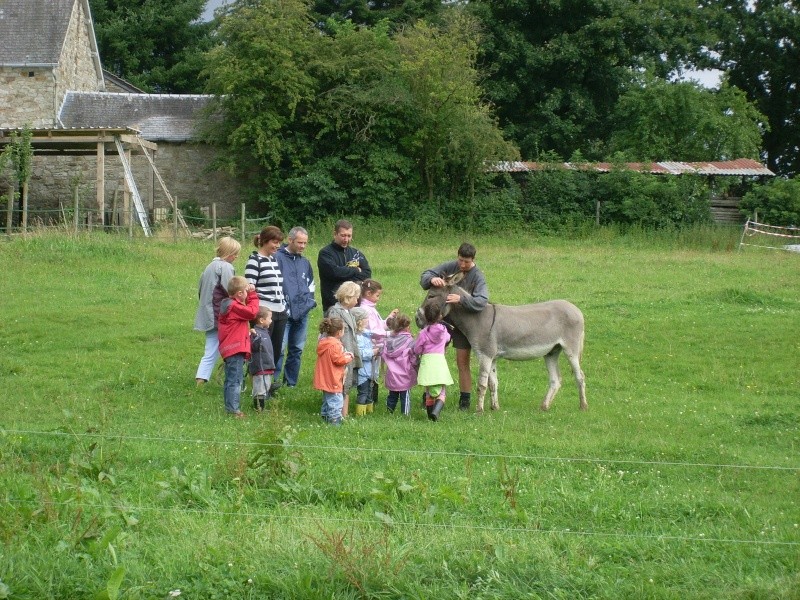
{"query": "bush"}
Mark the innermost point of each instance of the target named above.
(777, 202)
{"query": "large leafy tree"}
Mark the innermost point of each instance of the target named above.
(157, 45)
(658, 121)
(560, 67)
(454, 131)
(371, 12)
(353, 121)
(759, 48)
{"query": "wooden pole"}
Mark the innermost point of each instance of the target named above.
(100, 183)
(75, 204)
(175, 221)
(214, 220)
(24, 208)
(244, 233)
(597, 213)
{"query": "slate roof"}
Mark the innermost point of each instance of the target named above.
(159, 117)
(32, 32)
(739, 166)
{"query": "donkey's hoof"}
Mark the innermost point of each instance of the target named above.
(545, 407)
(495, 407)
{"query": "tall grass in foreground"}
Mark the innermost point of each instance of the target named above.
(120, 479)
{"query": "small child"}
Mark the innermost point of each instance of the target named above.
(330, 371)
(371, 292)
(367, 373)
(347, 296)
(262, 361)
(433, 371)
(235, 313)
(401, 364)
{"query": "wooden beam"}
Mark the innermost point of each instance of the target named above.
(100, 181)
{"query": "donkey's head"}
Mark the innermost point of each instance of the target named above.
(437, 298)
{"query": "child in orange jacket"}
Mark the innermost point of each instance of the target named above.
(330, 369)
(235, 313)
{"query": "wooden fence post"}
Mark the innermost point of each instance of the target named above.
(244, 233)
(75, 205)
(214, 220)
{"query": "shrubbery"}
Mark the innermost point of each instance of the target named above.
(777, 202)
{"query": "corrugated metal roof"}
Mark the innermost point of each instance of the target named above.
(739, 166)
(159, 117)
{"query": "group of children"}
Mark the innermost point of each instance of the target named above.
(355, 341)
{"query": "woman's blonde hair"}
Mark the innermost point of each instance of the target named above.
(228, 246)
(349, 289)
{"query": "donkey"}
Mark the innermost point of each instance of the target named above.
(515, 333)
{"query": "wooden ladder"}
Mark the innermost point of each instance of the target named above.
(141, 214)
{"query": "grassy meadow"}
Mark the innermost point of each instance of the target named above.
(120, 479)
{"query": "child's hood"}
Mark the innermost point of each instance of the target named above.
(327, 344)
(396, 344)
(437, 333)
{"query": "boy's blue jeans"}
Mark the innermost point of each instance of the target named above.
(234, 373)
(332, 404)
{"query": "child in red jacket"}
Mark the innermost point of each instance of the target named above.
(235, 314)
(330, 369)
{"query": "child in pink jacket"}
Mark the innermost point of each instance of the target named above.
(434, 373)
(401, 364)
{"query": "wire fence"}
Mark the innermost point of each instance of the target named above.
(576, 530)
(166, 223)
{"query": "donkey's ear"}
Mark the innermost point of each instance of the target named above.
(454, 279)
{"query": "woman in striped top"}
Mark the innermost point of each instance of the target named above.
(263, 272)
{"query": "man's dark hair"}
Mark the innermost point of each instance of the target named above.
(342, 224)
(466, 250)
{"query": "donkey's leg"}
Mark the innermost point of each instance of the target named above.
(580, 380)
(484, 371)
(551, 362)
(493, 385)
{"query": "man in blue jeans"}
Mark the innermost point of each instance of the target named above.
(298, 289)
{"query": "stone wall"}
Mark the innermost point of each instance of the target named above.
(27, 97)
(32, 96)
(182, 167)
(76, 70)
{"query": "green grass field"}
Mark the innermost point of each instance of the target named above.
(120, 479)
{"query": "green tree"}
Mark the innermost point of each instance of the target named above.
(354, 121)
(453, 132)
(759, 48)
(370, 13)
(683, 121)
(157, 45)
(777, 202)
(560, 67)
(263, 74)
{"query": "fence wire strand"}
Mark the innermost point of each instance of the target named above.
(452, 453)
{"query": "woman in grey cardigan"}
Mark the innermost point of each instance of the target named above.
(219, 271)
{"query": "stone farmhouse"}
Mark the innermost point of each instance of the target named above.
(87, 123)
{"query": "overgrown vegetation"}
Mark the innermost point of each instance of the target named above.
(119, 478)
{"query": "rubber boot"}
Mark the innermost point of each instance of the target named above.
(370, 407)
(463, 401)
(262, 403)
(361, 410)
(433, 414)
(428, 404)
